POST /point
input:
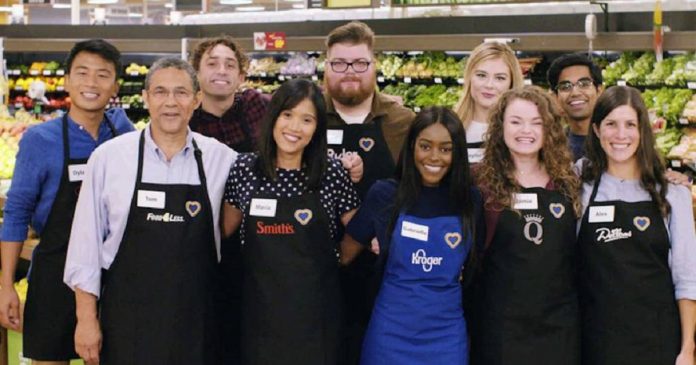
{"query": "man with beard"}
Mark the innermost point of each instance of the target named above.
(577, 82)
(364, 121)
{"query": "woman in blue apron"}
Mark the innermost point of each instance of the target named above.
(424, 223)
(287, 199)
(491, 70)
(637, 244)
(525, 308)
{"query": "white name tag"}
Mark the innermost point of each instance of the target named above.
(151, 199)
(415, 231)
(525, 201)
(263, 207)
(76, 172)
(601, 214)
(475, 155)
(334, 136)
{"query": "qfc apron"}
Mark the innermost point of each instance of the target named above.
(630, 315)
(359, 281)
(418, 316)
(157, 298)
(291, 299)
(49, 314)
(526, 302)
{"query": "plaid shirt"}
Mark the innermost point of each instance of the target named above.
(239, 127)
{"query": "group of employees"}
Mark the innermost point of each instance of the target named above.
(335, 226)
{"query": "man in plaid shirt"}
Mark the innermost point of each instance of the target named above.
(225, 114)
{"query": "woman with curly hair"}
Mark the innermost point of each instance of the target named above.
(525, 307)
(637, 245)
(491, 70)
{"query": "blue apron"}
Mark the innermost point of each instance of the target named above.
(418, 316)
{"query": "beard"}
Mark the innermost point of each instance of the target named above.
(351, 97)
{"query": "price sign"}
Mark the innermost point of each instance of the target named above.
(676, 164)
(269, 41)
(263, 74)
(460, 81)
(16, 72)
(60, 72)
(691, 85)
(281, 78)
(380, 78)
(315, 78)
(683, 121)
(34, 72)
(60, 88)
(134, 73)
(438, 80)
(527, 81)
(407, 80)
(417, 109)
(47, 72)
(621, 83)
(125, 106)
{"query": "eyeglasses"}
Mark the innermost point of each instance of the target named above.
(358, 66)
(567, 86)
(163, 94)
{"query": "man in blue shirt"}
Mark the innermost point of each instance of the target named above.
(47, 179)
(576, 82)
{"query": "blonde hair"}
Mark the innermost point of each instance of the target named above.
(497, 170)
(484, 52)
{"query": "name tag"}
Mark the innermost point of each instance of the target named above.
(76, 172)
(415, 231)
(334, 136)
(525, 201)
(151, 199)
(601, 214)
(475, 154)
(263, 207)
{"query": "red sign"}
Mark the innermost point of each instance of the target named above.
(269, 41)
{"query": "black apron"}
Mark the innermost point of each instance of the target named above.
(630, 315)
(359, 281)
(157, 298)
(49, 313)
(526, 299)
(291, 300)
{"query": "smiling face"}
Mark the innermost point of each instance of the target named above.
(578, 102)
(489, 80)
(294, 129)
(170, 100)
(91, 82)
(350, 88)
(523, 128)
(433, 154)
(619, 136)
(219, 73)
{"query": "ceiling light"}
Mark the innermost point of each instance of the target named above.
(135, 15)
(6, 9)
(61, 6)
(298, 6)
(250, 8)
(169, 5)
(294, 1)
(235, 2)
(101, 2)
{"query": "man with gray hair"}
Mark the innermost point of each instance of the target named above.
(145, 237)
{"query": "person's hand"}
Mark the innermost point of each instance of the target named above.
(9, 308)
(677, 178)
(685, 358)
(88, 340)
(354, 164)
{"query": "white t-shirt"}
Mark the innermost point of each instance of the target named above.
(353, 119)
(475, 131)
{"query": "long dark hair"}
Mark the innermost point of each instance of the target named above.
(652, 170)
(457, 178)
(314, 157)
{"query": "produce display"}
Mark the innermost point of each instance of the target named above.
(11, 130)
(419, 96)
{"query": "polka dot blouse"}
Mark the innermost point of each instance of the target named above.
(336, 194)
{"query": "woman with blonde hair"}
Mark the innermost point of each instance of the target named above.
(491, 70)
(525, 304)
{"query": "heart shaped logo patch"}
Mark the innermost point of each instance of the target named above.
(642, 223)
(193, 208)
(557, 209)
(453, 239)
(303, 216)
(366, 143)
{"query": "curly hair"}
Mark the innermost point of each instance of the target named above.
(496, 174)
(208, 44)
(651, 167)
(484, 52)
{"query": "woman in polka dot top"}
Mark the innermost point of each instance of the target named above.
(288, 199)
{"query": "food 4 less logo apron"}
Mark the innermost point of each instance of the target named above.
(368, 141)
(526, 309)
(630, 315)
(157, 302)
(291, 299)
(49, 314)
(418, 316)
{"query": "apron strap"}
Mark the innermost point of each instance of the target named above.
(595, 187)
